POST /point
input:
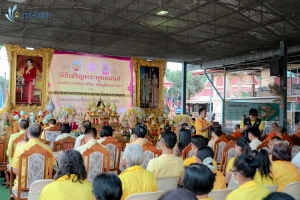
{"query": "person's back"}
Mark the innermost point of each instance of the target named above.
(70, 180)
(283, 171)
(167, 165)
(65, 132)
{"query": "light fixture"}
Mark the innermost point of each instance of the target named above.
(162, 11)
(29, 48)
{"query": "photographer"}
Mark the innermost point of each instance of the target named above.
(251, 121)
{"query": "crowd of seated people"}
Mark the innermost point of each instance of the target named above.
(198, 175)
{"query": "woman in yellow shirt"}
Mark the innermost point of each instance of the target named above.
(204, 156)
(70, 181)
(199, 180)
(243, 172)
(284, 172)
(241, 147)
(263, 174)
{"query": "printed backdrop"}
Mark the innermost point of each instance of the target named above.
(74, 79)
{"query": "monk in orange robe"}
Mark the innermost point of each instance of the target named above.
(273, 132)
(237, 133)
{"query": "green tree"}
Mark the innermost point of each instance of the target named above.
(194, 84)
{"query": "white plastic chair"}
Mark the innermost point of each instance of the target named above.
(272, 188)
(293, 189)
(167, 184)
(146, 196)
(219, 194)
(37, 187)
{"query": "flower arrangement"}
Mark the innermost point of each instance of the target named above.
(180, 119)
(65, 110)
(138, 112)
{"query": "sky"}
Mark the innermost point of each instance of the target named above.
(4, 66)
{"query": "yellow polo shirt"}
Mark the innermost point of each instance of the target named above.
(284, 172)
(220, 182)
(166, 166)
(206, 199)
(139, 141)
(230, 164)
(137, 180)
(263, 180)
(188, 161)
(249, 190)
(199, 124)
(64, 188)
(10, 146)
(20, 150)
(261, 125)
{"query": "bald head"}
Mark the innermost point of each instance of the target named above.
(34, 130)
(274, 126)
(279, 131)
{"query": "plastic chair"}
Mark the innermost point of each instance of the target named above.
(272, 188)
(219, 194)
(167, 184)
(37, 187)
(146, 196)
(293, 190)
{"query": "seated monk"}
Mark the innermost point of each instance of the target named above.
(298, 131)
(273, 132)
(52, 126)
(237, 133)
(33, 133)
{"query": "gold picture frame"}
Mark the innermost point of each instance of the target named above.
(15, 53)
(159, 66)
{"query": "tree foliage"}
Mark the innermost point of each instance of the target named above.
(194, 84)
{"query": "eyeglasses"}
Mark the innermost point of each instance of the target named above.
(233, 171)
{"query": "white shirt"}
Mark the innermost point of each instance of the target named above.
(254, 144)
(78, 139)
(296, 161)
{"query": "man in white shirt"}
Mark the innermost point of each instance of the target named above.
(84, 125)
(253, 135)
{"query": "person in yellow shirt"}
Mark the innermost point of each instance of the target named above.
(167, 165)
(65, 131)
(178, 194)
(105, 132)
(205, 156)
(23, 125)
(199, 179)
(283, 171)
(197, 141)
(202, 125)
(243, 172)
(241, 147)
(273, 132)
(140, 132)
(33, 133)
(70, 181)
(263, 174)
(52, 123)
(135, 179)
(251, 121)
(107, 186)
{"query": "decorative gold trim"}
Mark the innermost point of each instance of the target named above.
(161, 64)
(12, 52)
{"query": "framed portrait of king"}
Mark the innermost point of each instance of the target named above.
(28, 86)
(149, 84)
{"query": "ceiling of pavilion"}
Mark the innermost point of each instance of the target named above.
(194, 30)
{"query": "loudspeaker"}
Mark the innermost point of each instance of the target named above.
(275, 66)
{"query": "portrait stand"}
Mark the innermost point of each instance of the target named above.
(38, 85)
(155, 70)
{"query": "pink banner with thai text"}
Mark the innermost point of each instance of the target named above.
(76, 78)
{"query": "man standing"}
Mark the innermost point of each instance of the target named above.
(33, 133)
(202, 125)
(145, 90)
(251, 121)
(167, 165)
(23, 125)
